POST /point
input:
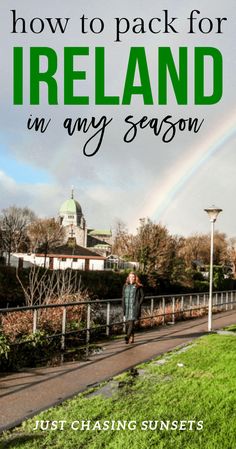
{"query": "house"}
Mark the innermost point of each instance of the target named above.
(59, 258)
(70, 256)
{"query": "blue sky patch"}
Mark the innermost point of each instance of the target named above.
(20, 171)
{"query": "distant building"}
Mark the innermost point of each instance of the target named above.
(114, 262)
(72, 219)
(60, 258)
(99, 240)
(71, 256)
(83, 249)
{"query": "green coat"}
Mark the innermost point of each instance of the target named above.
(132, 298)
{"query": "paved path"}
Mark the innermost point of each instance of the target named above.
(25, 393)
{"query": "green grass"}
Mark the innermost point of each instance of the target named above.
(203, 389)
(231, 328)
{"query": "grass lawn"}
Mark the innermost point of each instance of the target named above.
(231, 328)
(190, 388)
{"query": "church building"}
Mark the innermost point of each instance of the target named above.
(72, 219)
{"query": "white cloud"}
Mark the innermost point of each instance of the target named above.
(122, 179)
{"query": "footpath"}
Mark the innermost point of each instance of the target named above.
(26, 393)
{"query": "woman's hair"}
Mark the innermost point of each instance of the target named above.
(137, 280)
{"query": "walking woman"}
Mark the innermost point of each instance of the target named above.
(132, 298)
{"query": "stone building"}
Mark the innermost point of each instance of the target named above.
(100, 240)
(72, 219)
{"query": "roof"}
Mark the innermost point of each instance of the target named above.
(76, 251)
(101, 245)
(99, 232)
(70, 206)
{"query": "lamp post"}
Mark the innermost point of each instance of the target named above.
(213, 213)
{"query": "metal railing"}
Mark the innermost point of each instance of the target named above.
(159, 309)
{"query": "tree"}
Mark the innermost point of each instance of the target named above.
(232, 256)
(13, 226)
(221, 249)
(123, 245)
(154, 248)
(177, 267)
(45, 234)
(197, 248)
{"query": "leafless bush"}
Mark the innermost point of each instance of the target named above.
(148, 321)
(46, 286)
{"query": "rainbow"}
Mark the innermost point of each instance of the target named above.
(164, 192)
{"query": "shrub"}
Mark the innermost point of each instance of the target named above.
(31, 350)
(17, 324)
(4, 346)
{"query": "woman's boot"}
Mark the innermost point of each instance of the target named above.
(131, 340)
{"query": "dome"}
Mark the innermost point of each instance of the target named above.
(71, 213)
(70, 206)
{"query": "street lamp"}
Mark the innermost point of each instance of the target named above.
(213, 213)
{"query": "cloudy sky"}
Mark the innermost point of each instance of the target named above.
(172, 182)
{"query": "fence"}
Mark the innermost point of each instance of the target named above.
(105, 315)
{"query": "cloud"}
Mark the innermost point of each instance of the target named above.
(123, 179)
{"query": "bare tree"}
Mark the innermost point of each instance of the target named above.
(13, 226)
(123, 245)
(45, 234)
